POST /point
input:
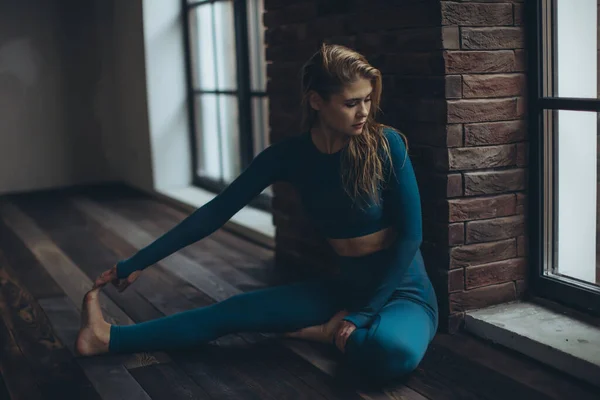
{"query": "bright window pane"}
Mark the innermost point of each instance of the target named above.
(575, 62)
(225, 45)
(574, 165)
(256, 44)
(230, 143)
(202, 47)
(207, 136)
(260, 123)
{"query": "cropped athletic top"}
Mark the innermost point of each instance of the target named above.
(317, 177)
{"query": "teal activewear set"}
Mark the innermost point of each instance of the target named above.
(388, 293)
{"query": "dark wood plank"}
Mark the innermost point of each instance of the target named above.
(76, 237)
(526, 371)
(230, 263)
(256, 261)
(444, 375)
(268, 375)
(168, 382)
(27, 268)
(178, 264)
(54, 369)
(107, 373)
(69, 277)
(19, 378)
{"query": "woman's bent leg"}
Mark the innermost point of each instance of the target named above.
(275, 310)
(394, 344)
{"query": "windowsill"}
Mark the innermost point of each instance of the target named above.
(552, 335)
(252, 223)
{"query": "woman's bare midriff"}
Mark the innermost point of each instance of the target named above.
(364, 245)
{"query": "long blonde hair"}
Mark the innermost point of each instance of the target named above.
(326, 73)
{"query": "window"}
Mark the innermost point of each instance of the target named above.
(564, 105)
(227, 89)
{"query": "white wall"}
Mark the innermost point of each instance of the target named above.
(51, 130)
(167, 94)
(577, 135)
(131, 154)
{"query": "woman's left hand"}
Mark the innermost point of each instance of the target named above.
(344, 331)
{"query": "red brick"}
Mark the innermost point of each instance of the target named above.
(468, 209)
(419, 14)
(274, 4)
(416, 86)
(521, 199)
(465, 111)
(441, 233)
(520, 60)
(522, 154)
(492, 38)
(324, 27)
(300, 52)
(521, 286)
(417, 38)
(454, 87)
(421, 109)
(294, 13)
(494, 273)
(500, 85)
(482, 297)
(480, 253)
(518, 14)
(476, 14)
(454, 185)
(467, 158)
(439, 135)
(489, 133)
(456, 234)
(456, 280)
(286, 34)
(439, 185)
(413, 63)
(491, 182)
(490, 230)
(522, 249)
(458, 62)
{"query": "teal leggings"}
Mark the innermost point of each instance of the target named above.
(392, 346)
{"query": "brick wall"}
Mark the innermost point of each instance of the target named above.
(485, 212)
(454, 83)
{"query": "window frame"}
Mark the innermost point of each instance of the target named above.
(243, 93)
(560, 289)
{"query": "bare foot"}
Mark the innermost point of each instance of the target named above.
(94, 334)
(319, 333)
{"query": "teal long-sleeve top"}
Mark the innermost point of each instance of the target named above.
(317, 178)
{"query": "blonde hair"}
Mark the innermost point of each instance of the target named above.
(326, 73)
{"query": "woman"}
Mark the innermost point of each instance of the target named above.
(356, 180)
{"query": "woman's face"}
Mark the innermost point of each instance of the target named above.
(346, 112)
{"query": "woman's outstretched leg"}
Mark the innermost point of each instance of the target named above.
(278, 309)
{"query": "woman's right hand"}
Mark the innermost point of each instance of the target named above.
(110, 276)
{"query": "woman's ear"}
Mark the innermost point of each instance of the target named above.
(315, 100)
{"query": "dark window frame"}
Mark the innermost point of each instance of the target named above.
(244, 95)
(567, 291)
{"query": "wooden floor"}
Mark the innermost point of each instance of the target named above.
(53, 244)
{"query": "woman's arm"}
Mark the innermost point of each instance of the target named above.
(404, 199)
(265, 169)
